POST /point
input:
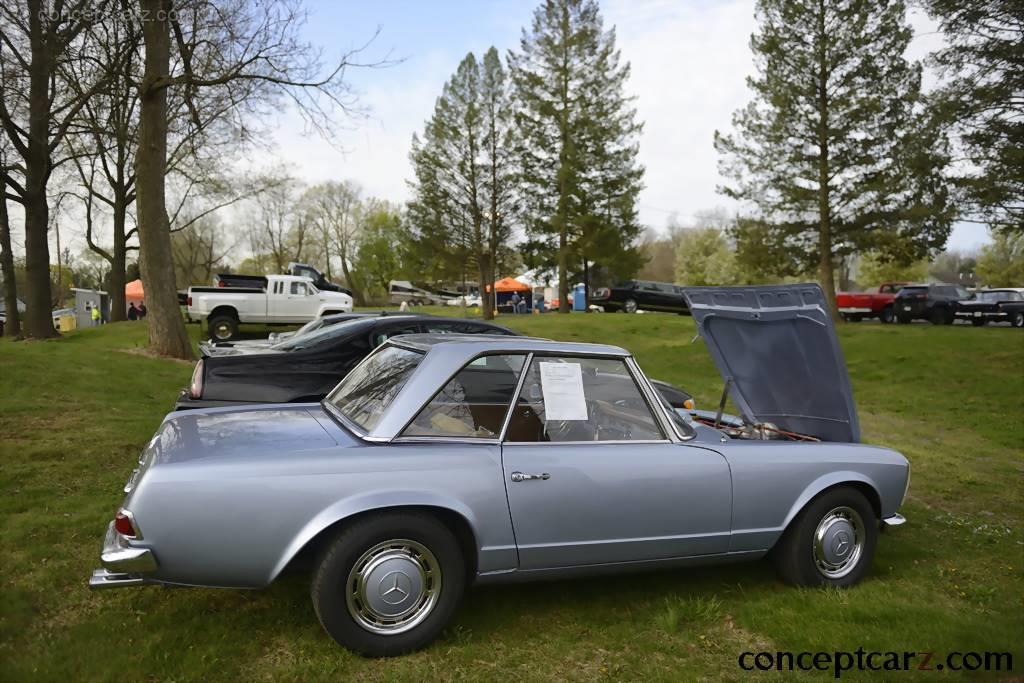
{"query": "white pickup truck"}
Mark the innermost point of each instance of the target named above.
(273, 300)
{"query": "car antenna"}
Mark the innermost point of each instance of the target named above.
(721, 404)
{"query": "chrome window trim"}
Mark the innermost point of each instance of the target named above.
(668, 424)
(515, 396)
(633, 371)
(490, 441)
(508, 410)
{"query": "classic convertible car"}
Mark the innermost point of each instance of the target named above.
(443, 460)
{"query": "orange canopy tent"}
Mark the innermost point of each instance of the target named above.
(509, 284)
(133, 292)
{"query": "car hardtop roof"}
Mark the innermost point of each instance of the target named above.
(473, 344)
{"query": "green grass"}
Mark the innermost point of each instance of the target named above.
(75, 412)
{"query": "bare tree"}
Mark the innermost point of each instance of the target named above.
(333, 209)
(40, 43)
(12, 327)
(221, 44)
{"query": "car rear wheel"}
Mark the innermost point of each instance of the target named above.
(629, 306)
(1018, 319)
(887, 316)
(389, 584)
(222, 327)
(830, 543)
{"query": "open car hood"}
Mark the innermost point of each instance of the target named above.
(778, 346)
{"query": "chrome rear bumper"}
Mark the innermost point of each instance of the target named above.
(121, 562)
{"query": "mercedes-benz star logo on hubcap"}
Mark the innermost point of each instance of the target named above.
(841, 544)
(394, 588)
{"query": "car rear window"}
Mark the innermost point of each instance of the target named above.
(367, 391)
(913, 290)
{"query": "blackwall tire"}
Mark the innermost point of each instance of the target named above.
(629, 306)
(222, 327)
(830, 543)
(388, 584)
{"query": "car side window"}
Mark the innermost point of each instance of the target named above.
(299, 288)
(581, 399)
(474, 403)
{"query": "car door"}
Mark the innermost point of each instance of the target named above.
(302, 303)
(592, 478)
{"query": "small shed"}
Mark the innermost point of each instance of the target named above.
(85, 301)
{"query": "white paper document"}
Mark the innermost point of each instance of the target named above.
(562, 385)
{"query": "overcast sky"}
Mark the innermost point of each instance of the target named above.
(689, 62)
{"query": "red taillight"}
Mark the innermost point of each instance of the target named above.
(123, 524)
(190, 301)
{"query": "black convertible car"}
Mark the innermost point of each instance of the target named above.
(305, 368)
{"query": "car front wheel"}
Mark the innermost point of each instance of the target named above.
(888, 316)
(830, 543)
(1018, 319)
(389, 584)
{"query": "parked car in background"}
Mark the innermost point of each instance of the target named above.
(855, 306)
(993, 305)
(305, 368)
(641, 295)
(443, 461)
(936, 303)
(276, 300)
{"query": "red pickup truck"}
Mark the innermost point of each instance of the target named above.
(855, 306)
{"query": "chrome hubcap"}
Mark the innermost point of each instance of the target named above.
(222, 331)
(393, 586)
(838, 542)
(630, 306)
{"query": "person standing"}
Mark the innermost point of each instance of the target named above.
(142, 310)
(95, 316)
(133, 313)
(515, 302)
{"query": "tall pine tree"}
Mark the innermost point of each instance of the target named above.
(577, 144)
(983, 96)
(835, 150)
(464, 195)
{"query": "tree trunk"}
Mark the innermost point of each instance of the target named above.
(38, 319)
(167, 335)
(826, 275)
(357, 294)
(12, 327)
(118, 306)
(486, 274)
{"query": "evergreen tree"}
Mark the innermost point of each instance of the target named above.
(464, 193)
(835, 149)
(984, 98)
(577, 144)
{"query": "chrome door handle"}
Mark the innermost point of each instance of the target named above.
(519, 476)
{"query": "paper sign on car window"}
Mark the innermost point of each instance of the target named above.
(562, 384)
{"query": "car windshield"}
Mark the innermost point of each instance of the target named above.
(301, 341)
(367, 391)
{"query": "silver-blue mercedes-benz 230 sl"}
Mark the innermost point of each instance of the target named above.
(443, 460)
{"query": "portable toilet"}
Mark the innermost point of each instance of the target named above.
(579, 297)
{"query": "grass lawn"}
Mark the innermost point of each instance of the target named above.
(74, 414)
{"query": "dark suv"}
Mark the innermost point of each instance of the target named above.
(935, 303)
(636, 295)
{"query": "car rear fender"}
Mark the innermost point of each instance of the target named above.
(371, 501)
